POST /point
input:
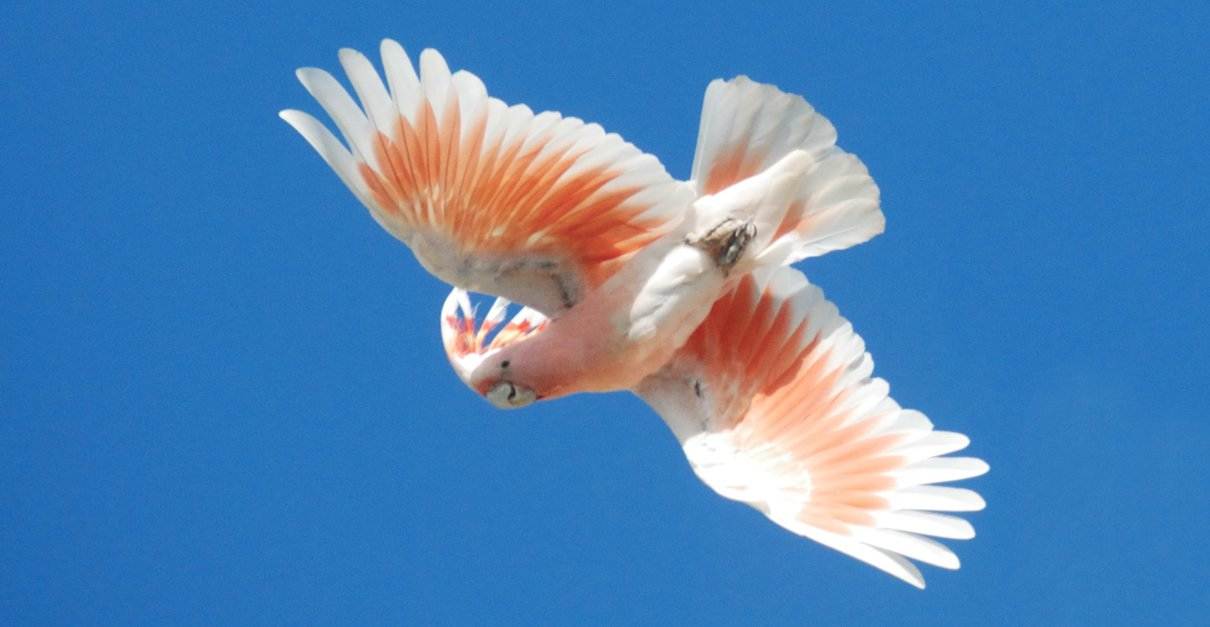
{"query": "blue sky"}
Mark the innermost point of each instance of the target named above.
(223, 397)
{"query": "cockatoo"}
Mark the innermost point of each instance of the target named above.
(680, 291)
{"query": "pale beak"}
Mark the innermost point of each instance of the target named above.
(508, 395)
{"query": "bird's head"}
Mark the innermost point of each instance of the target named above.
(486, 357)
(494, 382)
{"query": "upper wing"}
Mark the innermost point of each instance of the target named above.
(493, 198)
(773, 403)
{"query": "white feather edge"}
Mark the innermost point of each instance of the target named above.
(405, 88)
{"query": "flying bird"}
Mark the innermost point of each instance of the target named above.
(679, 291)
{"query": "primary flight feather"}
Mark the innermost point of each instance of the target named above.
(678, 291)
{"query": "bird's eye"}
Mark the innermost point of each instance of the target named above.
(508, 395)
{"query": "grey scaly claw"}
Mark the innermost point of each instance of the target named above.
(726, 241)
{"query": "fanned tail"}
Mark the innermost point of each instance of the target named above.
(770, 155)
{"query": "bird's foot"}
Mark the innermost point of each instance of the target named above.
(725, 241)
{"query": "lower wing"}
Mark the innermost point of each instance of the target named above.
(773, 402)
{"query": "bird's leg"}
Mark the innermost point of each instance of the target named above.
(725, 241)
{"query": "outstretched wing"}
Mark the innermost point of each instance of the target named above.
(492, 198)
(773, 402)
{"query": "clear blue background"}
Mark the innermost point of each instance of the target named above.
(224, 398)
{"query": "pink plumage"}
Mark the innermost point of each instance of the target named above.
(680, 291)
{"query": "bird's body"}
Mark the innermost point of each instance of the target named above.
(678, 291)
(633, 323)
(623, 331)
